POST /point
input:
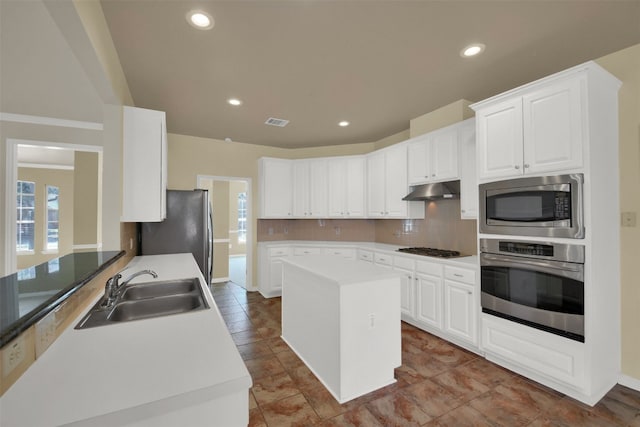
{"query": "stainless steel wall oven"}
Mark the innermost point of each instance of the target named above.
(534, 283)
(546, 206)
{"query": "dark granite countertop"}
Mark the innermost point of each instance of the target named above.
(30, 294)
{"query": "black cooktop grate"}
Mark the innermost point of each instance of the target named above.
(440, 253)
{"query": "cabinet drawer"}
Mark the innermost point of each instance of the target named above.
(307, 251)
(383, 259)
(275, 252)
(426, 267)
(343, 252)
(404, 263)
(460, 274)
(365, 256)
(537, 352)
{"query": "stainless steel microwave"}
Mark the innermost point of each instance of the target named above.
(545, 206)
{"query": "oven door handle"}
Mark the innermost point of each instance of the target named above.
(556, 268)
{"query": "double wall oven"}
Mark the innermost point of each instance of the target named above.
(536, 283)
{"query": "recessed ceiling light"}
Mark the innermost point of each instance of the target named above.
(472, 50)
(343, 123)
(235, 102)
(200, 20)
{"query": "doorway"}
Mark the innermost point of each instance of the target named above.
(232, 244)
(57, 208)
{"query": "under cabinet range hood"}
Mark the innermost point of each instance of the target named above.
(435, 191)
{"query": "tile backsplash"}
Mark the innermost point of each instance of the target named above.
(442, 228)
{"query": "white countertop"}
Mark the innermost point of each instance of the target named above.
(339, 270)
(124, 368)
(465, 261)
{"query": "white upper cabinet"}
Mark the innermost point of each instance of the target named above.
(346, 176)
(468, 177)
(387, 185)
(434, 156)
(276, 188)
(310, 187)
(144, 165)
(552, 124)
(533, 130)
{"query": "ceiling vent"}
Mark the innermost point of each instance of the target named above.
(276, 122)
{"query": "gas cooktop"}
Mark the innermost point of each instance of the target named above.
(440, 253)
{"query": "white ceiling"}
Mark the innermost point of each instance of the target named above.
(377, 64)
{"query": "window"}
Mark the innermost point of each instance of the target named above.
(52, 218)
(26, 205)
(242, 217)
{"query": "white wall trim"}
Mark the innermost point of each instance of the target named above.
(220, 280)
(221, 241)
(89, 246)
(250, 245)
(50, 121)
(11, 193)
(630, 382)
(45, 166)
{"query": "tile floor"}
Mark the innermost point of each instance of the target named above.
(439, 384)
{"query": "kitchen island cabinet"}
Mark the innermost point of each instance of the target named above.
(342, 318)
(181, 369)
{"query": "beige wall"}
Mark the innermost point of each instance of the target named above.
(85, 204)
(443, 116)
(63, 179)
(236, 247)
(625, 65)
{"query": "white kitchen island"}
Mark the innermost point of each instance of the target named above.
(342, 318)
(178, 370)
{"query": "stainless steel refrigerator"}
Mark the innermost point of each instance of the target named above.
(187, 228)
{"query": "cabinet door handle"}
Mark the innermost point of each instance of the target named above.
(469, 292)
(426, 176)
(526, 165)
(517, 166)
(433, 175)
(458, 275)
(462, 210)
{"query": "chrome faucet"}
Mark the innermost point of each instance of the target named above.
(113, 288)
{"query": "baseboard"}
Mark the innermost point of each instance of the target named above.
(220, 280)
(630, 382)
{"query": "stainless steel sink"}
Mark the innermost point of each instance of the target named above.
(147, 300)
(154, 307)
(158, 289)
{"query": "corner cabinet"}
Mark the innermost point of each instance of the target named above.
(310, 188)
(534, 130)
(276, 188)
(144, 165)
(346, 187)
(387, 185)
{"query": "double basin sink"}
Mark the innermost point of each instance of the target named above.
(147, 300)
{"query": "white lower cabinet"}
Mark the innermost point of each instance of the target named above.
(429, 300)
(460, 304)
(460, 311)
(435, 295)
(270, 270)
(445, 302)
(406, 267)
